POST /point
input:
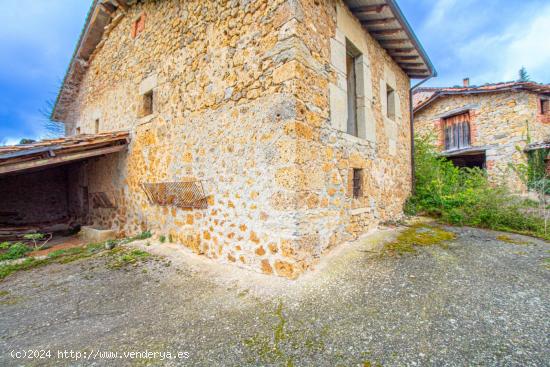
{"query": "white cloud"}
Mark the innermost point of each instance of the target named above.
(522, 43)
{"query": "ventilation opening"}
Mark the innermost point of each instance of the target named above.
(148, 103)
(390, 105)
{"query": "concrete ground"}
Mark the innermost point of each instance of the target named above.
(475, 301)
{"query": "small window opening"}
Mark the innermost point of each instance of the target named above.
(390, 104)
(77, 131)
(357, 183)
(148, 103)
(138, 26)
(96, 127)
(352, 55)
(545, 106)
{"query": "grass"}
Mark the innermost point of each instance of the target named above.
(121, 256)
(415, 236)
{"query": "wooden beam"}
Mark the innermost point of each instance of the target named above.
(415, 70)
(121, 4)
(394, 50)
(394, 42)
(59, 159)
(108, 8)
(386, 32)
(411, 64)
(416, 76)
(371, 22)
(377, 9)
(405, 58)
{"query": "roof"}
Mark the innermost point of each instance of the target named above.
(17, 158)
(383, 19)
(422, 97)
(102, 18)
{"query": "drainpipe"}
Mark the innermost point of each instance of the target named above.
(413, 175)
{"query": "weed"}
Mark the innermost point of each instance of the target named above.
(126, 257)
(15, 251)
(162, 238)
(464, 196)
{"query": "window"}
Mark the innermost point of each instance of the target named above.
(352, 55)
(390, 102)
(77, 131)
(357, 183)
(138, 26)
(545, 106)
(457, 131)
(96, 128)
(148, 103)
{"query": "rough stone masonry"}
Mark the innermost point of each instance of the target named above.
(251, 98)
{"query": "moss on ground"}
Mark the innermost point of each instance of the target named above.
(514, 241)
(415, 236)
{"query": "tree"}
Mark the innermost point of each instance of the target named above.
(53, 129)
(523, 76)
(26, 141)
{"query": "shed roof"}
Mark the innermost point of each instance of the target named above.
(18, 158)
(424, 96)
(381, 18)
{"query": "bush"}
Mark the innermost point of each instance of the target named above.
(15, 251)
(464, 196)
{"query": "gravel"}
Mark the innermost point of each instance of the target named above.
(475, 301)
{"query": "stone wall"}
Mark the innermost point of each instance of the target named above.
(500, 121)
(242, 102)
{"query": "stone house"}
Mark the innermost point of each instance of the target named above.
(262, 133)
(491, 126)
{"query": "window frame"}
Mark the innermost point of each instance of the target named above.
(457, 132)
(352, 58)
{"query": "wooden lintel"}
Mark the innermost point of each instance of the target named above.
(380, 21)
(369, 9)
(59, 159)
(386, 32)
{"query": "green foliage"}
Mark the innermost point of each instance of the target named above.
(15, 251)
(162, 238)
(464, 196)
(523, 75)
(143, 235)
(5, 245)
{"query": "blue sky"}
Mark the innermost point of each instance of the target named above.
(486, 40)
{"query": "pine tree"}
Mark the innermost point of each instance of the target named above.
(523, 76)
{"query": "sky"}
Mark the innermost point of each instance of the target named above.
(485, 40)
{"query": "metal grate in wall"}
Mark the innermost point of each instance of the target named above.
(185, 194)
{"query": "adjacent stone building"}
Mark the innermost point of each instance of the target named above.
(262, 133)
(490, 126)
